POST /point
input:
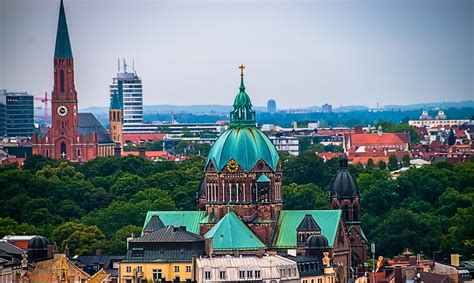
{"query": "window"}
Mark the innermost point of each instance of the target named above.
(139, 269)
(294, 271)
(188, 268)
(222, 274)
(242, 274)
(257, 274)
(289, 272)
(157, 274)
(207, 275)
(282, 273)
(128, 280)
(129, 269)
(249, 273)
(176, 268)
(61, 81)
(305, 281)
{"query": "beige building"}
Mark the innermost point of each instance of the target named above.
(269, 268)
(59, 269)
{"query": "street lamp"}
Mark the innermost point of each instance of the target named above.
(372, 250)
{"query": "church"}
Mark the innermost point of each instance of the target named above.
(78, 137)
(240, 202)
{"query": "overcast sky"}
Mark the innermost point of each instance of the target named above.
(301, 53)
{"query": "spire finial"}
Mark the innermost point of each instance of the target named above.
(241, 67)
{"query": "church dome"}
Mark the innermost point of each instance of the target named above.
(38, 243)
(317, 242)
(243, 142)
(344, 185)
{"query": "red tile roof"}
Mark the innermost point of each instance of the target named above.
(385, 139)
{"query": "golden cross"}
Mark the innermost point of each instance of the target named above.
(241, 67)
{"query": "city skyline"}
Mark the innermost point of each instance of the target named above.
(303, 54)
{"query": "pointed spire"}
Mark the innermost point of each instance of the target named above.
(242, 115)
(63, 45)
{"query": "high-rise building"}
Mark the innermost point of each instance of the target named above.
(132, 97)
(3, 112)
(327, 108)
(16, 114)
(78, 137)
(271, 106)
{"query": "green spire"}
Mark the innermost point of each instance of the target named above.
(116, 100)
(63, 45)
(242, 115)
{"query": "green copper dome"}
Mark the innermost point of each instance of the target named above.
(243, 141)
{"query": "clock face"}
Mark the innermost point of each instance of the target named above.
(232, 166)
(62, 110)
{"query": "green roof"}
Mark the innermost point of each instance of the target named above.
(289, 220)
(244, 145)
(242, 115)
(230, 233)
(190, 219)
(263, 179)
(63, 45)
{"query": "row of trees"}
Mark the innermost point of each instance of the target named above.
(99, 203)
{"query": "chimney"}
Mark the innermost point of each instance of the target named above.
(66, 252)
(117, 149)
(98, 252)
(141, 149)
(52, 250)
(209, 246)
(398, 274)
(182, 228)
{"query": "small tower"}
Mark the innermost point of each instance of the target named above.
(307, 228)
(115, 115)
(345, 193)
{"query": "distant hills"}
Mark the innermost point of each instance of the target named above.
(221, 109)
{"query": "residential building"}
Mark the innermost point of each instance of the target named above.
(268, 268)
(271, 106)
(60, 268)
(162, 253)
(286, 144)
(16, 114)
(78, 137)
(101, 266)
(13, 262)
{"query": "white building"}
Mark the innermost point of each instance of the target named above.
(440, 120)
(129, 86)
(267, 268)
(288, 144)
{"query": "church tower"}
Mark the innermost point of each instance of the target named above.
(74, 136)
(64, 96)
(345, 196)
(115, 115)
(243, 173)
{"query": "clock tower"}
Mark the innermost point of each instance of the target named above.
(64, 96)
(74, 136)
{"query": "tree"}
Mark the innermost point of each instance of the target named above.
(8, 226)
(308, 196)
(461, 234)
(382, 165)
(79, 238)
(406, 161)
(117, 244)
(370, 164)
(127, 185)
(392, 163)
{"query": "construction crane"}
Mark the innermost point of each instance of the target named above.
(44, 100)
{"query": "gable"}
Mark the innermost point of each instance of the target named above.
(189, 219)
(289, 220)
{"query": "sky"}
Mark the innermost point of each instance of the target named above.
(300, 53)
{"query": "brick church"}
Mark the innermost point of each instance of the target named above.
(240, 203)
(78, 137)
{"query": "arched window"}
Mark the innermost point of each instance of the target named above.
(345, 210)
(61, 81)
(63, 150)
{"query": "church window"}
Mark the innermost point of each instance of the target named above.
(79, 152)
(63, 150)
(61, 81)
